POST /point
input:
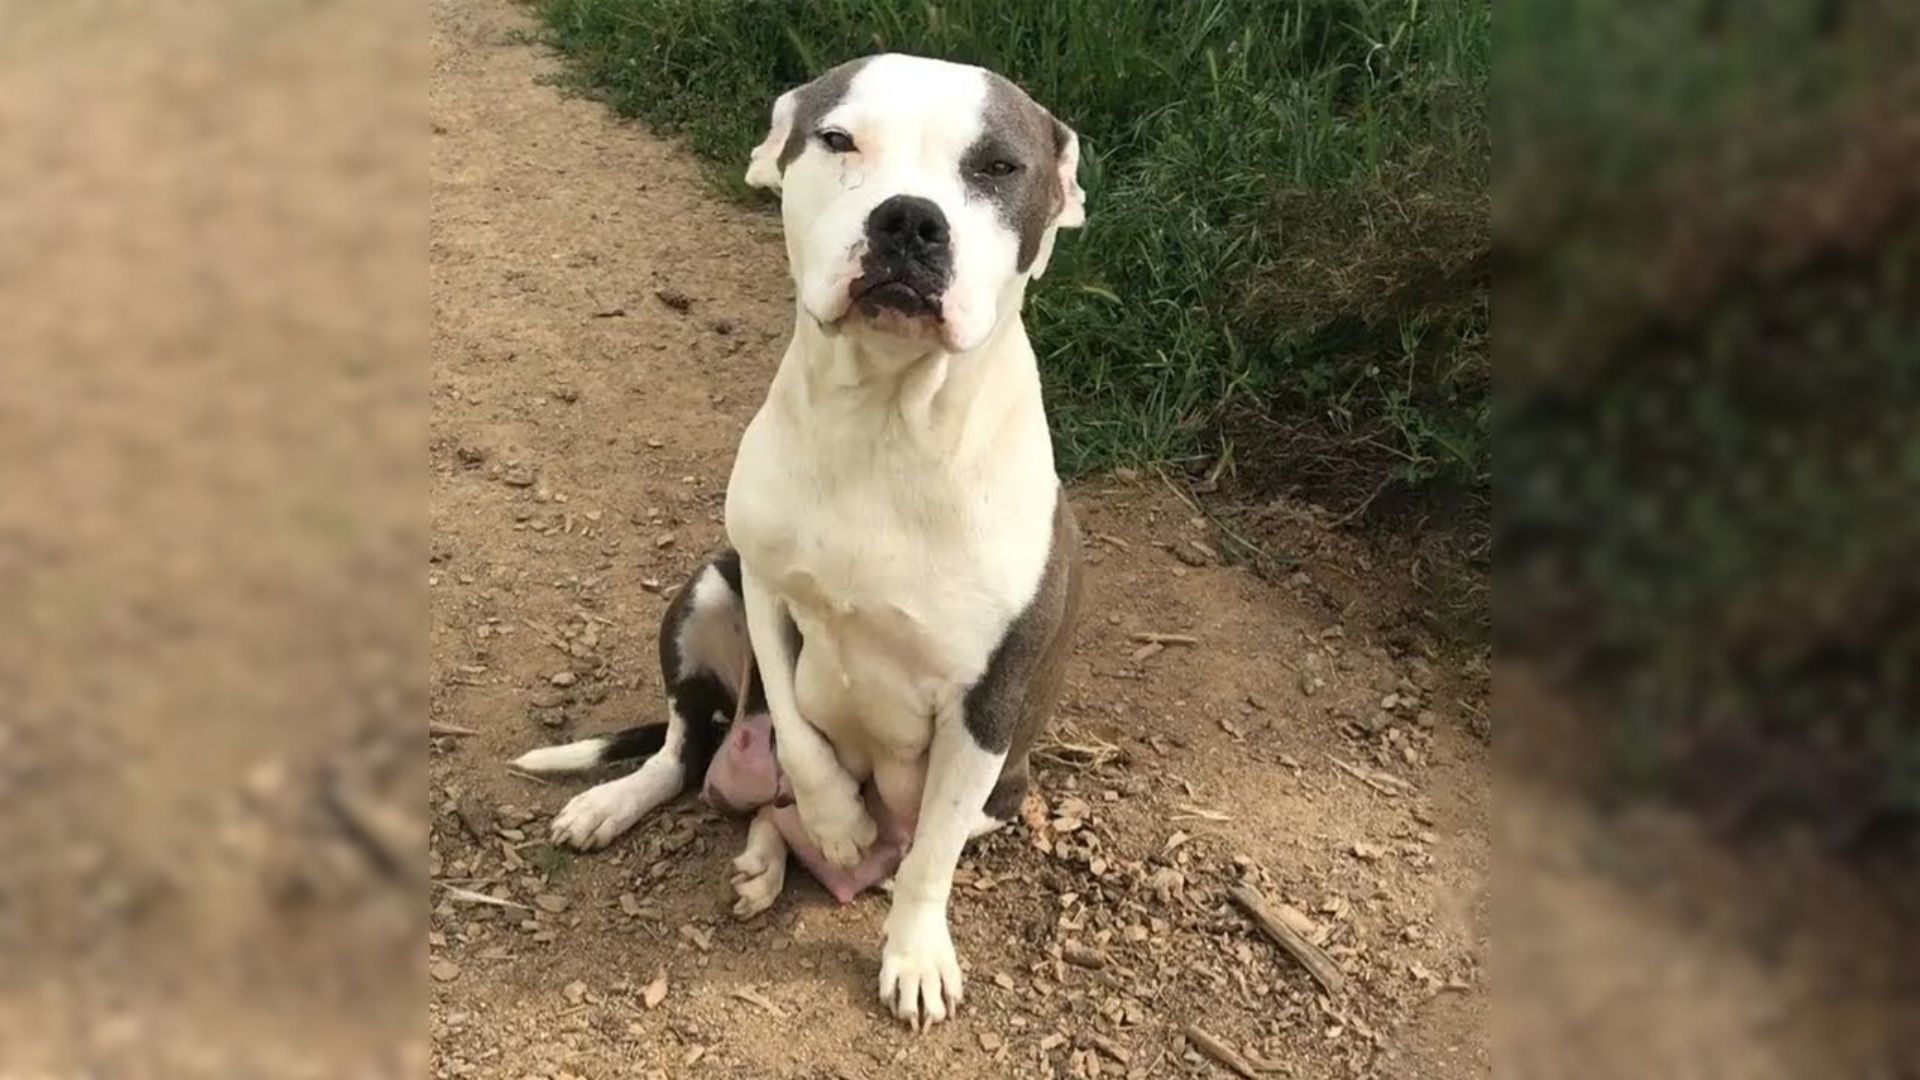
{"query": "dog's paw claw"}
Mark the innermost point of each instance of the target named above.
(920, 979)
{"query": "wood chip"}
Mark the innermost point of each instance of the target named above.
(656, 991)
(1220, 1053)
(1108, 1047)
(1081, 956)
(1310, 956)
(1148, 651)
(552, 903)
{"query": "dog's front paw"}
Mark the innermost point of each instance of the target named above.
(920, 981)
(837, 822)
(593, 818)
(758, 877)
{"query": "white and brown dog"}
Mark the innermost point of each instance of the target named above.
(908, 569)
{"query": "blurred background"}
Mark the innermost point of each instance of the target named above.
(212, 316)
(1709, 486)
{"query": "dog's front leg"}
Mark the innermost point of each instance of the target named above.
(920, 977)
(826, 797)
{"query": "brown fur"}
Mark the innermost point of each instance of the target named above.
(1010, 705)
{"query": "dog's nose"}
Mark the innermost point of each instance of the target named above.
(907, 225)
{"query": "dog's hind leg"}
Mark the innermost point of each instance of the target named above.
(696, 721)
(703, 649)
(593, 818)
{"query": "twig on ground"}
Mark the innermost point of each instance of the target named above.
(752, 997)
(435, 727)
(469, 896)
(1317, 962)
(1222, 1054)
(1248, 549)
(548, 634)
(1070, 746)
(1107, 1046)
(1152, 638)
(1384, 783)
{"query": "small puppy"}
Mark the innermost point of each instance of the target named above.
(704, 662)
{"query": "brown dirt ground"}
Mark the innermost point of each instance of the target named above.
(582, 434)
(210, 603)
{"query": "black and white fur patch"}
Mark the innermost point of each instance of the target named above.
(703, 653)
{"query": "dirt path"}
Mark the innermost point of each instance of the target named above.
(604, 327)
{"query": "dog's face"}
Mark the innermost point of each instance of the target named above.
(918, 196)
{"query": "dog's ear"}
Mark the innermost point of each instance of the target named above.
(1073, 205)
(1073, 201)
(763, 165)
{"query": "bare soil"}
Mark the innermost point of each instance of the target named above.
(604, 328)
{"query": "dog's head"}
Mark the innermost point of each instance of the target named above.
(918, 196)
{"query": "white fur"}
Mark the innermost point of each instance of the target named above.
(920, 977)
(760, 871)
(894, 497)
(912, 119)
(713, 633)
(568, 758)
(593, 818)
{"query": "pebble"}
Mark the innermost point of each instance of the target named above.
(444, 970)
(552, 903)
(563, 678)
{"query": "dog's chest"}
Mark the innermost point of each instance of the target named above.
(900, 581)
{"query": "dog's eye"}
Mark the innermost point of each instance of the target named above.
(1000, 169)
(837, 141)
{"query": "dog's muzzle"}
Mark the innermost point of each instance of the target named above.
(909, 259)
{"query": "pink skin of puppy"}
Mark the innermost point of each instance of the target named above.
(745, 776)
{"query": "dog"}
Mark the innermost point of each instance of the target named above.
(907, 565)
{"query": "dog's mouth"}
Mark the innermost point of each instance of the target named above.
(876, 295)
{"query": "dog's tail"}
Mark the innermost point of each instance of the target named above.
(628, 745)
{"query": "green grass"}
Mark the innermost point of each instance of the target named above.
(1287, 202)
(1709, 472)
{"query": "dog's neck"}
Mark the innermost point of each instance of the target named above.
(942, 400)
